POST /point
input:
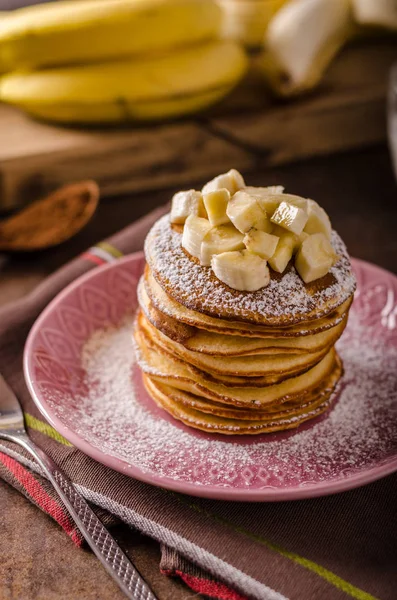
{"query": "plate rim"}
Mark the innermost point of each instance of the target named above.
(265, 494)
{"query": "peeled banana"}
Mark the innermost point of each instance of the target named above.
(380, 13)
(301, 41)
(129, 90)
(69, 32)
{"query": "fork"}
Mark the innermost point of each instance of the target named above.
(12, 428)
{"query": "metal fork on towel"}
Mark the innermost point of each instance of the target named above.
(12, 428)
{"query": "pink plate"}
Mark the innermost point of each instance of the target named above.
(81, 371)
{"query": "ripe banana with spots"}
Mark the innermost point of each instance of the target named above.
(148, 88)
(301, 40)
(69, 32)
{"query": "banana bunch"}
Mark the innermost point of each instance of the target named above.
(305, 35)
(111, 61)
(247, 20)
(129, 90)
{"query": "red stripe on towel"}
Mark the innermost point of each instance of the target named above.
(40, 496)
(208, 587)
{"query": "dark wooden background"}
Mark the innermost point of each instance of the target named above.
(354, 182)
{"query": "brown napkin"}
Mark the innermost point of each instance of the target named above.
(328, 548)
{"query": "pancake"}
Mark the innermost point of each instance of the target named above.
(177, 311)
(166, 369)
(288, 409)
(239, 362)
(217, 344)
(271, 368)
(286, 301)
(227, 426)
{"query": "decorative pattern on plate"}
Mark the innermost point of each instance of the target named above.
(80, 366)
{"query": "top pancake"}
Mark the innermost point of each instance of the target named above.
(287, 300)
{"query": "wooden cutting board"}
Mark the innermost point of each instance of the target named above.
(249, 128)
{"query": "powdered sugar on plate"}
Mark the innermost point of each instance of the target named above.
(117, 416)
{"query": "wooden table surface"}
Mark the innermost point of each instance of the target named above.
(37, 560)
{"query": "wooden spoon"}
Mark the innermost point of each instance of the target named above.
(50, 221)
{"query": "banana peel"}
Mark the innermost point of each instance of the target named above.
(69, 32)
(150, 88)
(301, 41)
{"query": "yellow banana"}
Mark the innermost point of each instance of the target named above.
(247, 21)
(301, 41)
(135, 89)
(69, 32)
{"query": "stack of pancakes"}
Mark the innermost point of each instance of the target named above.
(235, 362)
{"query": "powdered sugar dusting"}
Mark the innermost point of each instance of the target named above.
(286, 296)
(115, 415)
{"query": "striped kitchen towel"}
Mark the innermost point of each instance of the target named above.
(332, 548)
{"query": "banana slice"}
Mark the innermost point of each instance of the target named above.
(224, 238)
(244, 212)
(315, 257)
(301, 41)
(290, 217)
(284, 251)
(382, 13)
(186, 203)
(194, 232)
(241, 271)
(261, 243)
(318, 220)
(232, 181)
(215, 204)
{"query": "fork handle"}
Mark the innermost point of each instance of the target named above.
(101, 542)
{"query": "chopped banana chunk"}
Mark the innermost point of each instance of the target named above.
(318, 220)
(241, 271)
(268, 197)
(315, 257)
(236, 229)
(261, 243)
(295, 201)
(300, 239)
(215, 204)
(232, 181)
(224, 238)
(244, 212)
(186, 203)
(193, 234)
(290, 217)
(284, 251)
